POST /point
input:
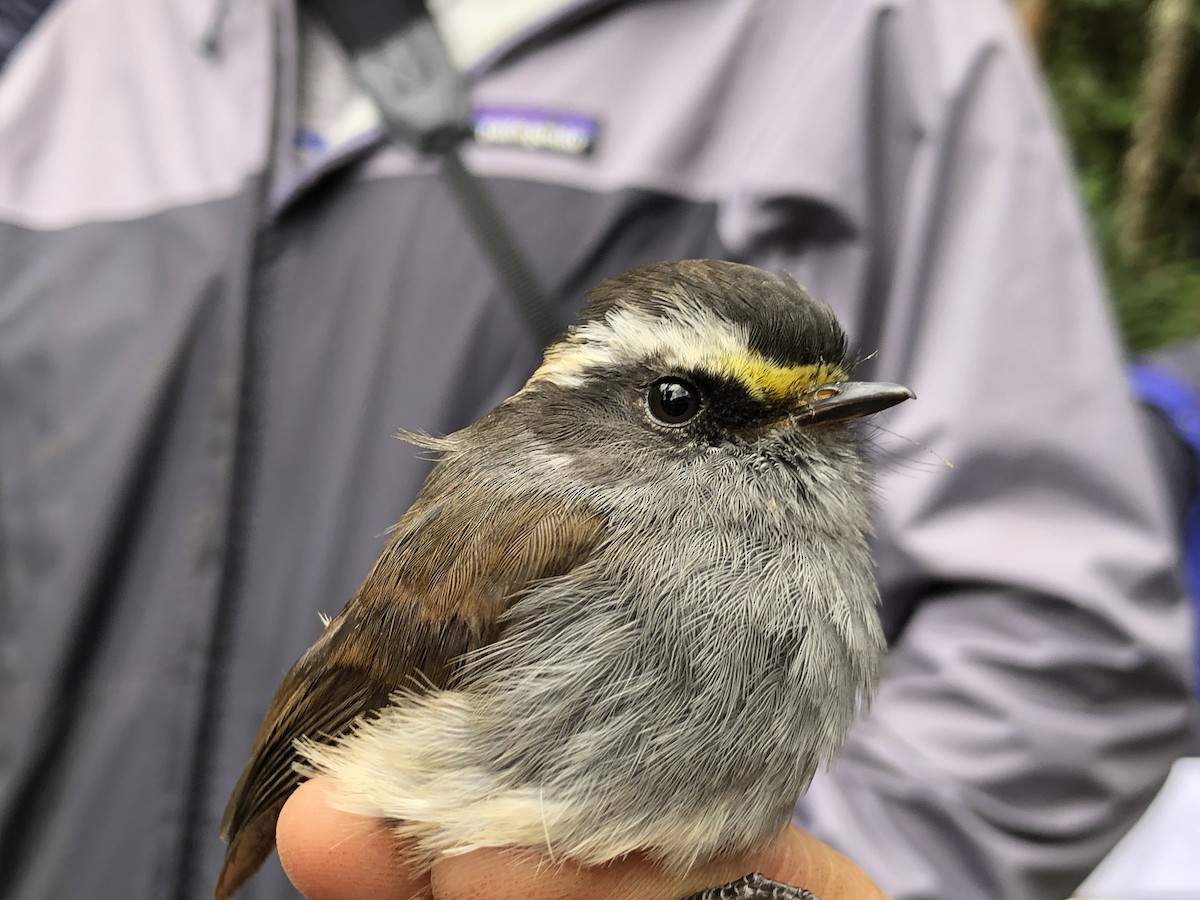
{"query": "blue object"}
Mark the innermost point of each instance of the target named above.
(1181, 405)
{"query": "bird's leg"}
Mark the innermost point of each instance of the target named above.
(754, 886)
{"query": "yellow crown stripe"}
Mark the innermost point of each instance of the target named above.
(768, 380)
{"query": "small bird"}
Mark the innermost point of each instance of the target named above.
(631, 609)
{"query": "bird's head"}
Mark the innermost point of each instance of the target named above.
(698, 361)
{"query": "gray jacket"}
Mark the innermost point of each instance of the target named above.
(208, 335)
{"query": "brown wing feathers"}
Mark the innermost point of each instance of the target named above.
(437, 592)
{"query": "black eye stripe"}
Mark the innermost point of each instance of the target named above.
(673, 401)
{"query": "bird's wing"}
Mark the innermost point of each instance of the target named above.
(450, 570)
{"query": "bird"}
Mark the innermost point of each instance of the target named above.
(632, 608)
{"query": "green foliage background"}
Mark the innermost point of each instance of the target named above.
(1093, 55)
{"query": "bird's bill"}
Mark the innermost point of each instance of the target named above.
(838, 401)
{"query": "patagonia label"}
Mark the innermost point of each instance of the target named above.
(536, 129)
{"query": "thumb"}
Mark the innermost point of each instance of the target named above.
(332, 855)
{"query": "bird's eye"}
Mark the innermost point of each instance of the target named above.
(673, 401)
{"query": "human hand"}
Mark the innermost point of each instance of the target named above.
(331, 855)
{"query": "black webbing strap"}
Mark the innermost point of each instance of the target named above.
(399, 58)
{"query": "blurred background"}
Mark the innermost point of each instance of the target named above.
(1126, 78)
(1125, 75)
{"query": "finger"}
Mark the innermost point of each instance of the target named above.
(794, 858)
(332, 855)
(798, 858)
